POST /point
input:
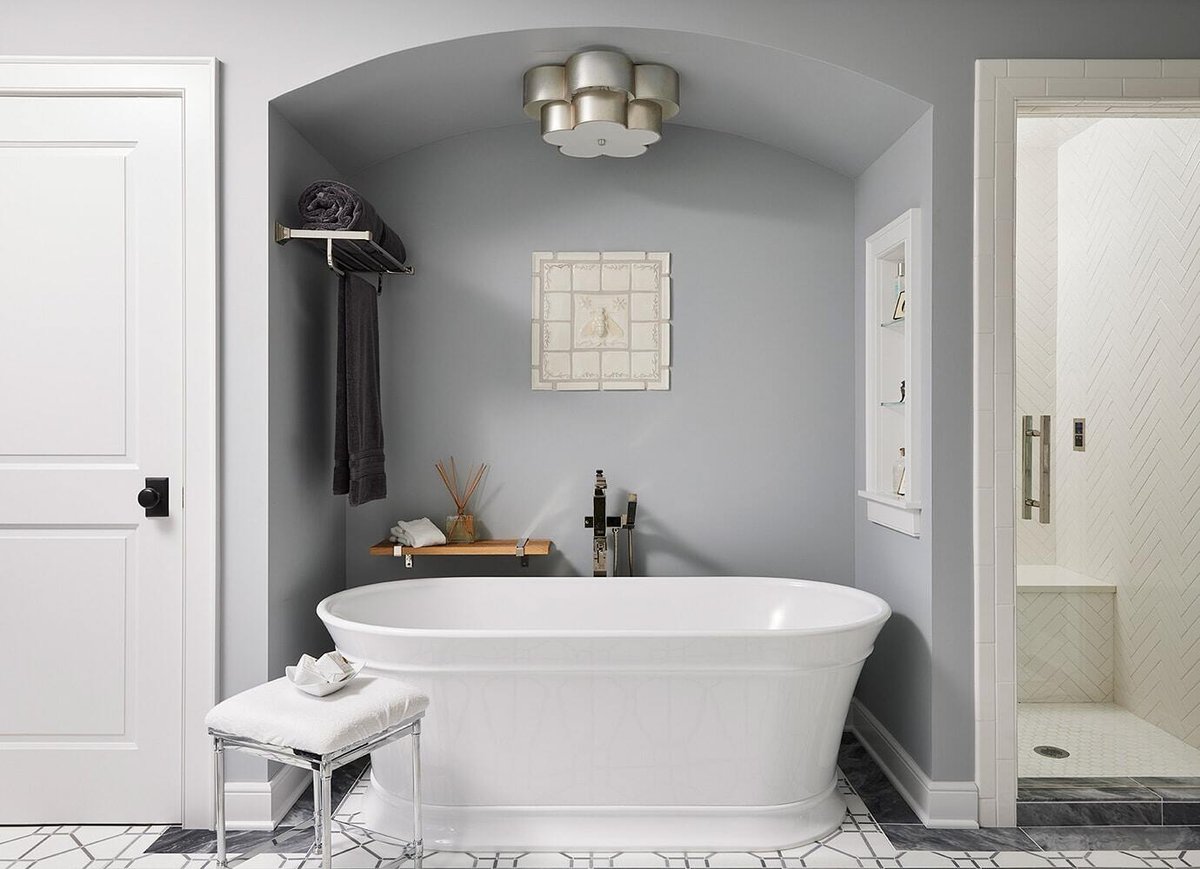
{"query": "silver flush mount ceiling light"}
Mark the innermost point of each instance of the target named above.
(601, 103)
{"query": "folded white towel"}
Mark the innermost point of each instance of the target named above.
(417, 532)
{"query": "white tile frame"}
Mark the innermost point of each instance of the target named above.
(1004, 89)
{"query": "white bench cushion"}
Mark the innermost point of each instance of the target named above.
(277, 713)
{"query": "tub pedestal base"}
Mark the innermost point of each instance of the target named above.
(608, 828)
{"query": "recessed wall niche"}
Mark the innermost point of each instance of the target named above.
(601, 320)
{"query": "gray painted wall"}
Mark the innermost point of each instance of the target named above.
(307, 532)
(743, 467)
(306, 529)
(924, 47)
(897, 681)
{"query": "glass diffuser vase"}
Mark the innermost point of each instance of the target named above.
(460, 528)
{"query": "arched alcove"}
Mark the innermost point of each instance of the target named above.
(763, 188)
(754, 188)
(384, 107)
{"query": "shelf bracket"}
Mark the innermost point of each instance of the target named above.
(329, 259)
(521, 551)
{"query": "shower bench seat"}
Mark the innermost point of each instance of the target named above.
(1052, 578)
(1065, 627)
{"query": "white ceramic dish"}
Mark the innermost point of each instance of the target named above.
(323, 689)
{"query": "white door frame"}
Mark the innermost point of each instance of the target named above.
(1004, 89)
(194, 80)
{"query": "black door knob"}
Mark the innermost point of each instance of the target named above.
(156, 497)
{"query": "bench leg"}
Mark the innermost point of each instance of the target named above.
(323, 797)
(418, 840)
(219, 797)
(316, 786)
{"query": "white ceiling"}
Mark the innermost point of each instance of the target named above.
(382, 108)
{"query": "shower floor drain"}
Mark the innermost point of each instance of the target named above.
(1051, 751)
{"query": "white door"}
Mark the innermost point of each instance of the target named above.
(91, 404)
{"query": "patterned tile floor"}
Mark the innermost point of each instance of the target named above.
(879, 832)
(1104, 740)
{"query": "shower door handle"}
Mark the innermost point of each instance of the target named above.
(1028, 433)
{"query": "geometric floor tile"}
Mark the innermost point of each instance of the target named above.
(860, 843)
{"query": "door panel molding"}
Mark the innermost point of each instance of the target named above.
(195, 81)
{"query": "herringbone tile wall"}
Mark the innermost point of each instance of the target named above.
(1064, 647)
(1128, 359)
(1035, 311)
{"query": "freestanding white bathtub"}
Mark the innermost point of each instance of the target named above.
(614, 714)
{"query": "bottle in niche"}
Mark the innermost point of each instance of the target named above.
(898, 291)
(899, 474)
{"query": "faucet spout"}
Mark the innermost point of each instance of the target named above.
(600, 523)
(599, 509)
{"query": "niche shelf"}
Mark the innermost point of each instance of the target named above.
(519, 548)
(893, 355)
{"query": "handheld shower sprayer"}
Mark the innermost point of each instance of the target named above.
(600, 523)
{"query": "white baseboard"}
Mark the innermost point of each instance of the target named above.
(937, 803)
(262, 805)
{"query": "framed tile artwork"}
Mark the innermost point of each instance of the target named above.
(601, 320)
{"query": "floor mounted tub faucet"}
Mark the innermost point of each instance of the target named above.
(600, 522)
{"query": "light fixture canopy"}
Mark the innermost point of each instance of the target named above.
(599, 103)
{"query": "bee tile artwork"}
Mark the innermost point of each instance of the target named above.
(601, 320)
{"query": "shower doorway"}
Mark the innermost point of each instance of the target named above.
(1106, 449)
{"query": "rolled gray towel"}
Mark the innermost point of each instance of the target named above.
(334, 205)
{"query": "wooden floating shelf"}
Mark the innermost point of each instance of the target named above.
(479, 547)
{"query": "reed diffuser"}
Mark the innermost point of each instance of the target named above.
(460, 528)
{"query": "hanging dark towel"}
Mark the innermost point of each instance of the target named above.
(358, 435)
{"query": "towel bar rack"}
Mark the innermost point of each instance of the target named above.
(347, 251)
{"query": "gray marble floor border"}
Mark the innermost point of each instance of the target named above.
(294, 830)
(1108, 801)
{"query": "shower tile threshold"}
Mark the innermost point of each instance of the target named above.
(879, 831)
(1109, 801)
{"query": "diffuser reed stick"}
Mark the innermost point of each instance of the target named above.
(461, 526)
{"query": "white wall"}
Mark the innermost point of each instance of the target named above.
(742, 467)
(1129, 361)
(919, 47)
(1106, 250)
(1035, 311)
(1065, 646)
(1064, 641)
